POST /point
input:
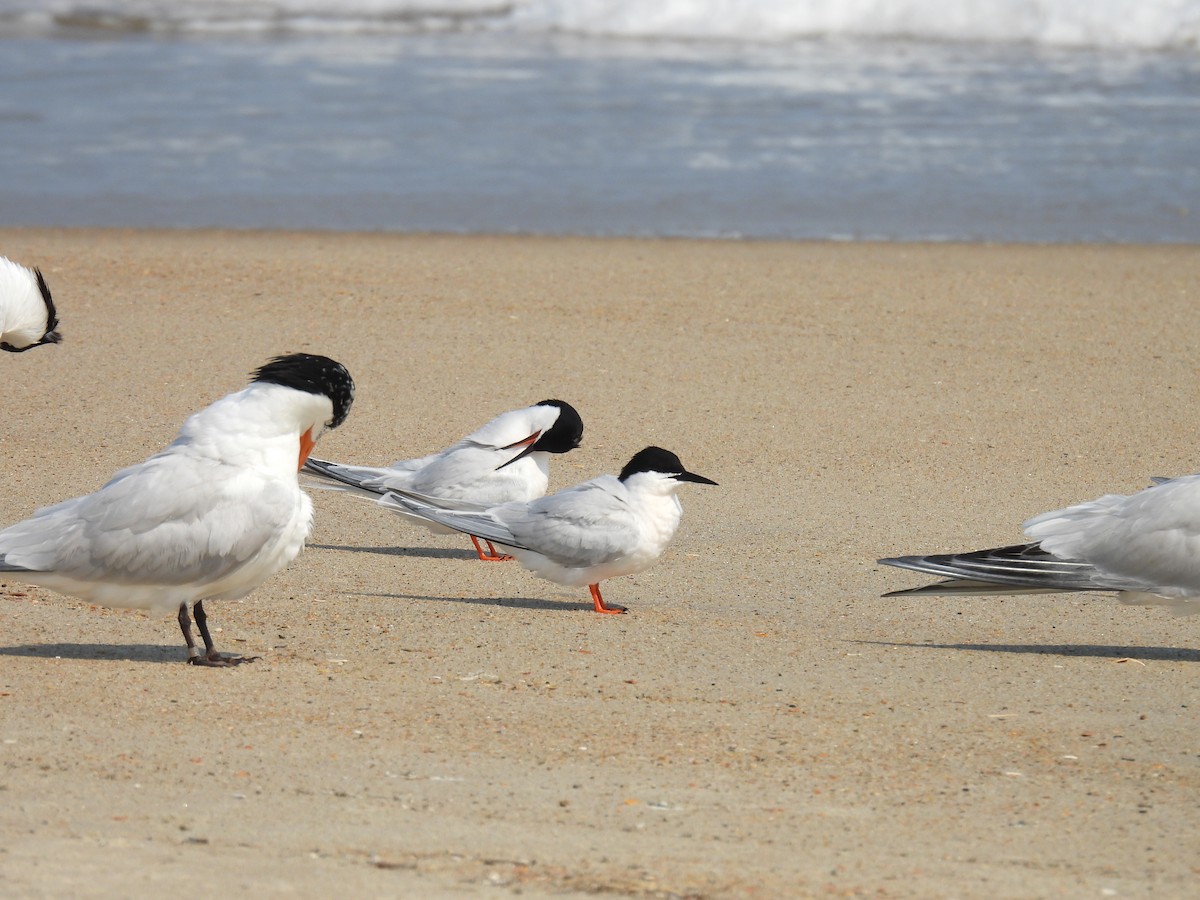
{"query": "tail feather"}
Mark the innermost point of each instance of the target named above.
(1021, 568)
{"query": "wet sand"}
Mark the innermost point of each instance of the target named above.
(761, 723)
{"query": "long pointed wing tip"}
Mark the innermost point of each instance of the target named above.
(903, 562)
(921, 589)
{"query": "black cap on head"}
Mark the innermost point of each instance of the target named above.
(314, 375)
(664, 462)
(566, 432)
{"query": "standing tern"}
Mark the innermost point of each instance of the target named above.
(506, 460)
(1145, 546)
(27, 315)
(210, 517)
(599, 529)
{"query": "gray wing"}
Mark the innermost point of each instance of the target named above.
(441, 479)
(443, 503)
(362, 480)
(480, 524)
(167, 521)
(1021, 568)
(587, 525)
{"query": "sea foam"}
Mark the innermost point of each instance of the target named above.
(1148, 25)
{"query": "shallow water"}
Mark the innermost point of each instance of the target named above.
(488, 131)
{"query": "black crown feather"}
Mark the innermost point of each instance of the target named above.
(314, 375)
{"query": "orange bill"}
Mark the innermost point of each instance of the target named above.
(307, 442)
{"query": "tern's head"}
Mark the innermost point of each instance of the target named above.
(561, 432)
(654, 465)
(33, 320)
(312, 374)
(566, 432)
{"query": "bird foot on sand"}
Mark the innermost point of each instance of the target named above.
(220, 660)
(601, 606)
(491, 554)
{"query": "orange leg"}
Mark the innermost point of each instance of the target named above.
(599, 601)
(491, 554)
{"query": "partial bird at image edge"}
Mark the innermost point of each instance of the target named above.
(1144, 546)
(28, 317)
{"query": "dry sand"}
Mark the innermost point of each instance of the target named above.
(762, 723)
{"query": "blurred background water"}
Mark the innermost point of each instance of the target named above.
(997, 120)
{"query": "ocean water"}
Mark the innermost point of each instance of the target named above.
(996, 120)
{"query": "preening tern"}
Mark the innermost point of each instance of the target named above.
(27, 315)
(508, 459)
(210, 517)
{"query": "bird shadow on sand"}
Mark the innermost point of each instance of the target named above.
(159, 653)
(515, 602)
(427, 552)
(1102, 651)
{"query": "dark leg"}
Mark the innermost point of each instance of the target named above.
(211, 657)
(185, 625)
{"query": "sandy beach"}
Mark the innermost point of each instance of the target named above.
(761, 723)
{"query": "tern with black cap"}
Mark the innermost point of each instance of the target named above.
(506, 460)
(603, 528)
(210, 517)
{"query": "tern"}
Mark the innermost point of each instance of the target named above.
(27, 315)
(1144, 546)
(210, 517)
(506, 460)
(581, 535)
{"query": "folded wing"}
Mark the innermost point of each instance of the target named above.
(1022, 568)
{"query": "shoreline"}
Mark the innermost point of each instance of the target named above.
(8, 232)
(762, 723)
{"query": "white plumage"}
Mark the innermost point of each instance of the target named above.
(508, 459)
(27, 315)
(1145, 546)
(210, 517)
(581, 535)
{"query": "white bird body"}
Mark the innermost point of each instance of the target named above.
(582, 535)
(508, 459)
(210, 517)
(1145, 546)
(27, 314)
(600, 529)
